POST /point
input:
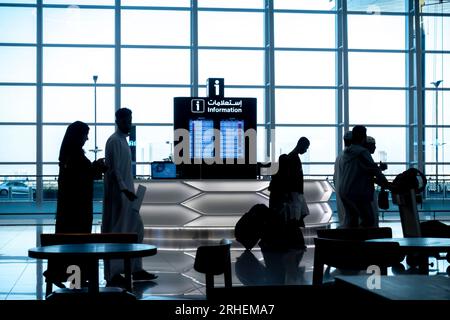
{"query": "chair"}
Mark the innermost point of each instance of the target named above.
(48, 239)
(357, 234)
(353, 255)
(214, 260)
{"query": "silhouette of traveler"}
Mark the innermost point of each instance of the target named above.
(75, 182)
(339, 206)
(295, 181)
(279, 191)
(371, 146)
(75, 191)
(356, 172)
(118, 213)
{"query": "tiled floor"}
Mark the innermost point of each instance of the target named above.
(21, 277)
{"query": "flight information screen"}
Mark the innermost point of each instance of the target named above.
(201, 138)
(232, 139)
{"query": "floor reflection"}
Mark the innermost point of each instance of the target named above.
(276, 268)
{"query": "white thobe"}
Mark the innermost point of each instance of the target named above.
(339, 205)
(118, 214)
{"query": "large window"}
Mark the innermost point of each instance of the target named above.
(292, 58)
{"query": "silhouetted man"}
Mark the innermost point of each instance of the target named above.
(339, 206)
(357, 170)
(118, 213)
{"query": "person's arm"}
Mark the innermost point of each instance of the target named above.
(112, 157)
(373, 169)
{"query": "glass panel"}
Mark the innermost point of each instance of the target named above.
(238, 67)
(393, 170)
(437, 67)
(375, 7)
(376, 69)
(377, 106)
(305, 68)
(78, 65)
(157, 3)
(68, 104)
(436, 7)
(249, 93)
(18, 104)
(80, 26)
(18, 1)
(322, 148)
(231, 29)
(443, 151)
(53, 136)
(17, 64)
(156, 27)
(153, 143)
(305, 4)
(17, 25)
(304, 30)
(437, 33)
(73, 3)
(51, 169)
(162, 66)
(25, 170)
(376, 32)
(18, 143)
(390, 143)
(152, 104)
(305, 106)
(256, 4)
(431, 105)
(443, 178)
(324, 170)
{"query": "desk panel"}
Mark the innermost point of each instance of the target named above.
(220, 203)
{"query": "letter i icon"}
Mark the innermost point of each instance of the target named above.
(216, 86)
(197, 104)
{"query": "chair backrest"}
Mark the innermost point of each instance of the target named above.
(356, 234)
(214, 260)
(355, 255)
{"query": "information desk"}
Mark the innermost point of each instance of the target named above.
(219, 203)
(93, 252)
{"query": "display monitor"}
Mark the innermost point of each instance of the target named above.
(201, 136)
(163, 170)
(232, 139)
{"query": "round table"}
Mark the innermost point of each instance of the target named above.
(95, 251)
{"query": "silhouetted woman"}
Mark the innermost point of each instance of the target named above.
(75, 182)
(75, 192)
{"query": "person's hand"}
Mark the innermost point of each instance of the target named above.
(383, 166)
(101, 165)
(130, 195)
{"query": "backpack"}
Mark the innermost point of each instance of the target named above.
(409, 180)
(249, 228)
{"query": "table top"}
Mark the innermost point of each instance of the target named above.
(94, 250)
(403, 287)
(420, 242)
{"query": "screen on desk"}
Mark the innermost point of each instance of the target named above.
(163, 170)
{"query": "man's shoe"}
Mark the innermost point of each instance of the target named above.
(143, 275)
(117, 281)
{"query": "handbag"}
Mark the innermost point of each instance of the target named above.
(383, 199)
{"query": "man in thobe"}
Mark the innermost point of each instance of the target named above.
(356, 176)
(118, 214)
(339, 205)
